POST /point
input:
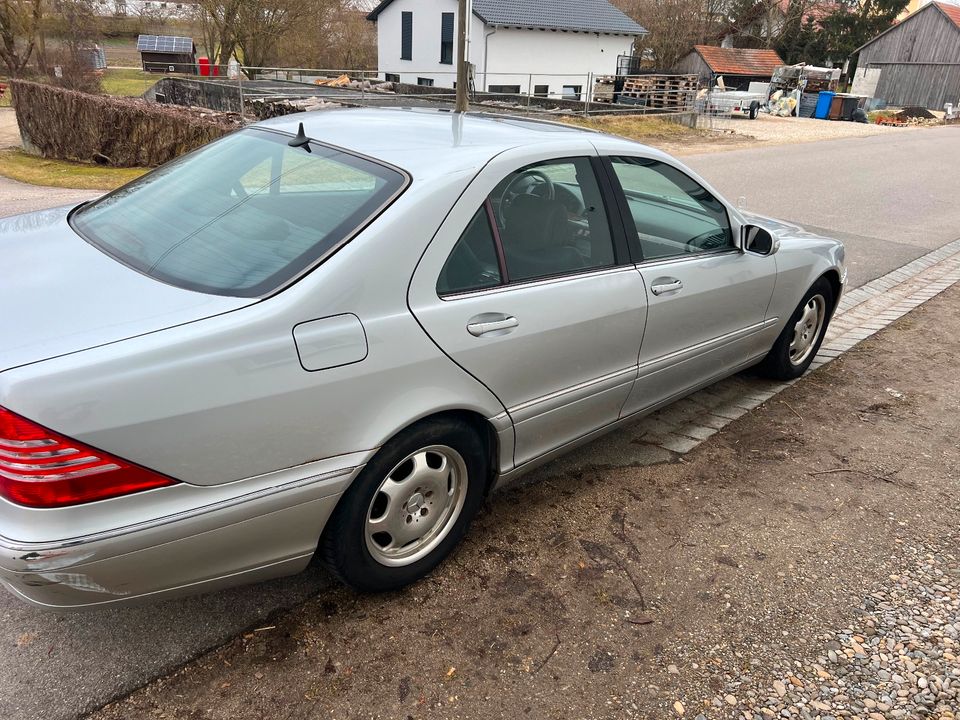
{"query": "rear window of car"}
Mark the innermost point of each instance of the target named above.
(241, 216)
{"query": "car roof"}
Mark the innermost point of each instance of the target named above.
(427, 142)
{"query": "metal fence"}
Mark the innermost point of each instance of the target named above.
(252, 89)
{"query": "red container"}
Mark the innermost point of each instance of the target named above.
(204, 64)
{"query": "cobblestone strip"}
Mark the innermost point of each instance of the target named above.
(863, 311)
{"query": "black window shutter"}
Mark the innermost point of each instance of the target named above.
(406, 36)
(446, 38)
(446, 28)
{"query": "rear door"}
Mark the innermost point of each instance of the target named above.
(707, 299)
(528, 287)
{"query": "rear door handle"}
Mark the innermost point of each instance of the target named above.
(491, 323)
(666, 285)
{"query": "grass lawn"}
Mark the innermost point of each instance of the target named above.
(17, 165)
(127, 82)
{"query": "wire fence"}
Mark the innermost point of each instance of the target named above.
(258, 92)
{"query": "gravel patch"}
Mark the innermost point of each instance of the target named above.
(900, 659)
(771, 129)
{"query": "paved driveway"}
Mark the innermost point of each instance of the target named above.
(887, 198)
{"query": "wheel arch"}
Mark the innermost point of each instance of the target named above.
(832, 276)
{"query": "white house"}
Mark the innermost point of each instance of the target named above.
(537, 47)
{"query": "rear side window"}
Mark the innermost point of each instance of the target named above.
(241, 216)
(473, 263)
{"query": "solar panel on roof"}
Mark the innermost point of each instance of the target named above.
(164, 44)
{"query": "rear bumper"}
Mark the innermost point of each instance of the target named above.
(256, 537)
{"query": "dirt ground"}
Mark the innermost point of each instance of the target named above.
(9, 131)
(652, 592)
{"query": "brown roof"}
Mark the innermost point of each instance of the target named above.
(739, 61)
(951, 11)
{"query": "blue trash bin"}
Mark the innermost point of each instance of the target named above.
(823, 104)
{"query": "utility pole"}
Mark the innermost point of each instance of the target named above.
(462, 91)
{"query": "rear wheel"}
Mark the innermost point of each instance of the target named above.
(800, 340)
(754, 109)
(408, 508)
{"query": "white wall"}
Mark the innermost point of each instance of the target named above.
(514, 56)
(425, 60)
(548, 57)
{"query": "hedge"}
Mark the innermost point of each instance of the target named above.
(122, 132)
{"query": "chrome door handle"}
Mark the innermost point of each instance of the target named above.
(661, 288)
(491, 323)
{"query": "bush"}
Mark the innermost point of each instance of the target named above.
(122, 132)
(75, 72)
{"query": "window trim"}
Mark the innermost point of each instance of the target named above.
(618, 238)
(630, 227)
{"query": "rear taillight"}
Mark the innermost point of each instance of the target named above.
(40, 468)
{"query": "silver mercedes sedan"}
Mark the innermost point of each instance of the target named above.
(329, 336)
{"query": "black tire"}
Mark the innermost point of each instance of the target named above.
(754, 109)
(778, 363)
(343, 548)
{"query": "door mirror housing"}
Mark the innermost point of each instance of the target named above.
(758, 240)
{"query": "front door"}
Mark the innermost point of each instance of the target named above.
(707, 299)
(527, 286)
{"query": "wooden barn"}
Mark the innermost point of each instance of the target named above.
(167, 53)
(738, 66)
(916, 61)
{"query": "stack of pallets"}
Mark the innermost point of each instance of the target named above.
(662, 92)
(603, 87)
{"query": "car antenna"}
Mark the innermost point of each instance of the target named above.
(301, 140)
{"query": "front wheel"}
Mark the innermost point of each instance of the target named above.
(408, 508)
(800, 340)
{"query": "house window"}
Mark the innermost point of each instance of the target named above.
(391, 77)
(406, 36)
(572, 92)
(425, 82)
(541, 90)
(504, 89)
(446, 38)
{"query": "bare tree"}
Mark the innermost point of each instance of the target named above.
(674, 26)
(20, 25)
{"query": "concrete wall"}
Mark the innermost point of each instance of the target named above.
(500, 56)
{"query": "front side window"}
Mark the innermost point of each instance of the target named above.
(674, 215)
(548, 219)
(241, 216)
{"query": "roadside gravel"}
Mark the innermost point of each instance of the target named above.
(779, 130)
(898, 659)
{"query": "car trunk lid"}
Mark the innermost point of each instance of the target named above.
(59, 294)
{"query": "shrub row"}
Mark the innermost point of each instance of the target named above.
(122, 132)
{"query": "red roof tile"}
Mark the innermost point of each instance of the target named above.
(739, 61)
(951, 11)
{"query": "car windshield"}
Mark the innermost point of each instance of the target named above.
(241, 216)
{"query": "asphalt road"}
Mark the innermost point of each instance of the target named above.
(889, 199)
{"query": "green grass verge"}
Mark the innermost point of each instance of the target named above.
(18, 165)
(127, 82)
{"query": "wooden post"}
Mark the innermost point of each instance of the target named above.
(462, 100)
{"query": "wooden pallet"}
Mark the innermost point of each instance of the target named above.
(661, 92)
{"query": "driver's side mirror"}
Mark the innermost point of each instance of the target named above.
(758, 240)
